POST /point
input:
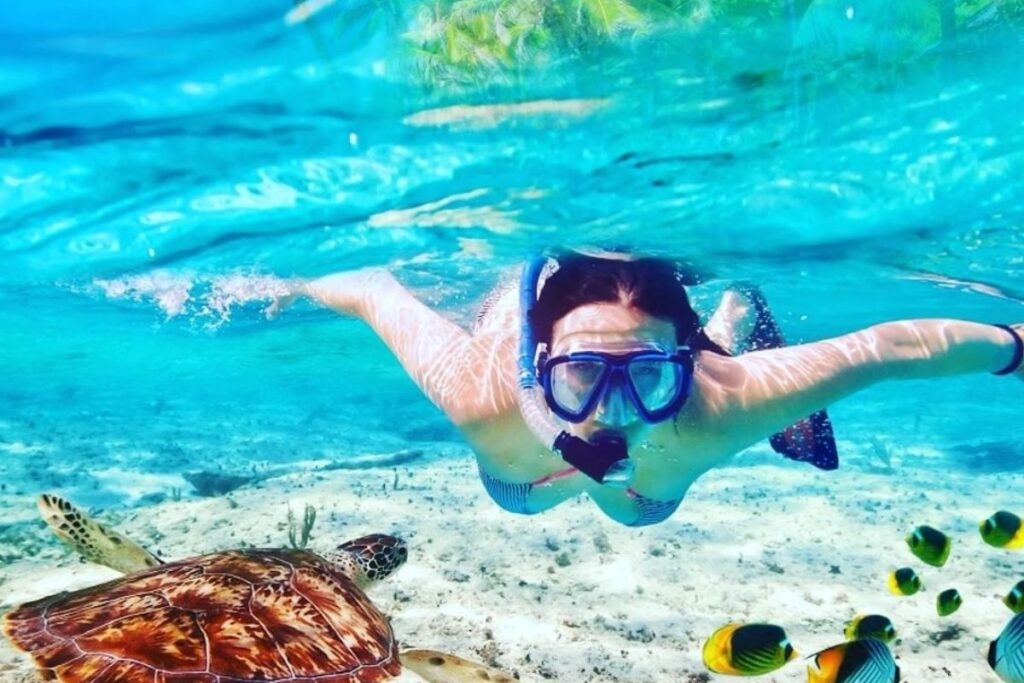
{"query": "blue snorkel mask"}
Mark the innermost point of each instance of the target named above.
(655, 382)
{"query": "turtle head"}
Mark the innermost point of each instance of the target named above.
(369, 559)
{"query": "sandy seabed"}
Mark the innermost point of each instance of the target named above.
(569, 595)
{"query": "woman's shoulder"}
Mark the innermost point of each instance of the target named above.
(718, 383)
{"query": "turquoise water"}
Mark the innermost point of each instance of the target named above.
(162, 167)
(162, 164)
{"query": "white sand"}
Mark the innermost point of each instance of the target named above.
(571, 596)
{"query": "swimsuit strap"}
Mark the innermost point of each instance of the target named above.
(554, 476)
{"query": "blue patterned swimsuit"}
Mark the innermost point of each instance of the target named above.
(513, 497)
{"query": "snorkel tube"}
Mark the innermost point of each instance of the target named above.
(606, 459)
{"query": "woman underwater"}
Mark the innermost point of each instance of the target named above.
(597, 376)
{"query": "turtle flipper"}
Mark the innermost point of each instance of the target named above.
(92, 540)
(441, 667)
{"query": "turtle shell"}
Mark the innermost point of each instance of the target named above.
(286, 616)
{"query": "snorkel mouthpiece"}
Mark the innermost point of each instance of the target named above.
(605, 458)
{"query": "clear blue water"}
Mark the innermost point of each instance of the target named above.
(161, 163)
(164, 164)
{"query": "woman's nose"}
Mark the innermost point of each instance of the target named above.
(614, 410)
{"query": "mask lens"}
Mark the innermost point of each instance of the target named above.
(574, 382)
(657, 382)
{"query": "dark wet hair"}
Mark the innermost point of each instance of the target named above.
(653, 285)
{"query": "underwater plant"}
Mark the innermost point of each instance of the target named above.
(466, 42)
(463, 43)
(881, 454)
(455, 44)
(299, 538)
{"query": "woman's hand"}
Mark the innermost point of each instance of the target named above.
(293, 290)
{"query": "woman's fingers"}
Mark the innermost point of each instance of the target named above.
(280, 303)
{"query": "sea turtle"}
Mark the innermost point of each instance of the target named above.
(270, 615)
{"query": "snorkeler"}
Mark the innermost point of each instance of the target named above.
(596, 375)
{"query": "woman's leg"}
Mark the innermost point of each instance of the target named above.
(743, 322)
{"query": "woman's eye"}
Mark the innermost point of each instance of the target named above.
(584, 373)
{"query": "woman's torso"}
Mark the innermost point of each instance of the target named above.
(670, 459)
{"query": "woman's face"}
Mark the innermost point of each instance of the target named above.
(611, 328)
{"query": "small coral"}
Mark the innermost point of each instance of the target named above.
(297, 538)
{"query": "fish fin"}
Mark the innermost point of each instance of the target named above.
(92, 540)
(825, 665)
(1017, 542)
(815, 677)
(850, 631)
(440, 667)
(717, 652)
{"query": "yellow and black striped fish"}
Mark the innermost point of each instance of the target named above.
(904, 581)
(930, 545)
(1003, 530)
(870, 626)
(948, 601)
(856, 661)
(1006, 653)
(1015, 598)
(747, 649)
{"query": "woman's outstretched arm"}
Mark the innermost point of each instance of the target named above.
(461, 373)
(763, 391)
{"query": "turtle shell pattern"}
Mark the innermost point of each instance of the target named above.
(286, 616)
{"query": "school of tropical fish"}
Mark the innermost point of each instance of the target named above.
(864, 657)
